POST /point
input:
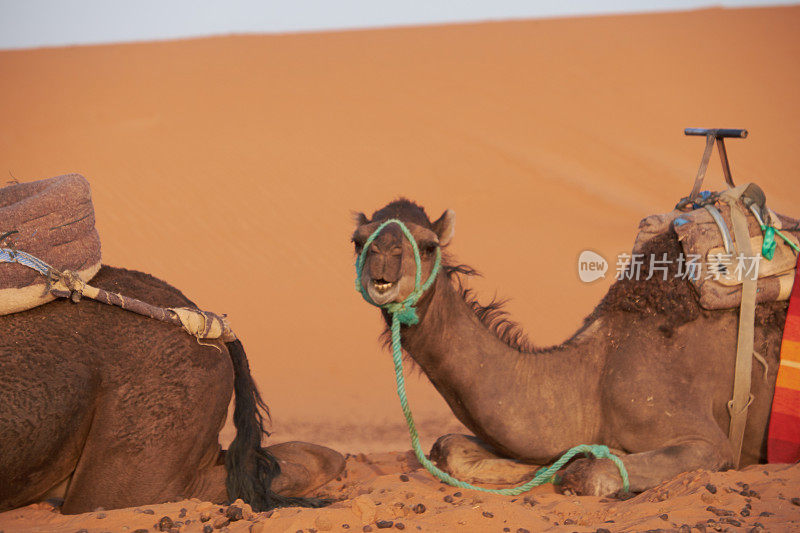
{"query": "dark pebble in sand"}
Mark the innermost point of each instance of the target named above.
(719, 512)
(506, 529)
(448, 499)
(384, 524)
(731, 521)
(745, 512)
(569, 522)
(234, 513)
(400, 525)
(530, 501)
(345, 526)
(366, 529)
(664, 516)
(207, 529)
(165, 524)
(141, 530)
(403, 477)
(711, 488)
(419, 508)
(766, 513)
(101, 515)
(795, 501)
(457, 494)
(602, 530)
(487, 514)
(182, 514)
(522, 530)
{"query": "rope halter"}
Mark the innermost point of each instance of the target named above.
(404, 311)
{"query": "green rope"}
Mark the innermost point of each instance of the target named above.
(768, 248)
(405, 313)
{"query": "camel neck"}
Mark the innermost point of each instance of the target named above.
(481, 377)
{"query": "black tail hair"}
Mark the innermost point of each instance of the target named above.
(250, 467)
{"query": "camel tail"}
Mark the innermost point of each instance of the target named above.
(250, 467)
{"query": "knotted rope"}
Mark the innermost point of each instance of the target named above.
(68, 284)
(406, 314)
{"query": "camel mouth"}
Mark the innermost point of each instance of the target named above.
(381, 285)
(382, 291)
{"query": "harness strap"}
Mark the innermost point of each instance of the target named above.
(67, 284)
(742, 397)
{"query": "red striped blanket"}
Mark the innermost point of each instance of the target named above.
(783, 441)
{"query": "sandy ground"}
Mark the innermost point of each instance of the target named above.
(391, 491)
(230, 166)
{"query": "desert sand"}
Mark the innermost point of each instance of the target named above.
(231, 166)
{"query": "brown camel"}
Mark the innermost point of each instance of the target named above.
(649, 373)
(105, 408)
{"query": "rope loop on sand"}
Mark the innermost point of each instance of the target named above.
(404, 313)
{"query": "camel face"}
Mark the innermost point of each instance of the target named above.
(389, 269)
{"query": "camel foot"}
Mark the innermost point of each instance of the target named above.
(591, 477)
(468, 459)
(304, 467)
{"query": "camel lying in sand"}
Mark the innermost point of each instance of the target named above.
(106, 408)
(649, 373)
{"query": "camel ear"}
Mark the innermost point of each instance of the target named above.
(445, 227)
(360, 219)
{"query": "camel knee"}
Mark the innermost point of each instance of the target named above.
(304, 467)
(468, 459)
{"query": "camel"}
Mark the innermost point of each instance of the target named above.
(648, 374)
(101, 407)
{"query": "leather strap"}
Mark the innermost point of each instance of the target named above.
(742, 397)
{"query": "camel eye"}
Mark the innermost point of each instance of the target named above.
(358, 243)
(427, 248)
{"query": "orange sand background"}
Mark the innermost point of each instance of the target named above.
(229, 166)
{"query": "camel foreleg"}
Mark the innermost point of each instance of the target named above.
(601, 477)
(468, 459)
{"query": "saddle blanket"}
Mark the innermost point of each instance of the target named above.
(783, 440)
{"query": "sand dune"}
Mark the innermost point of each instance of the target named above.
(230, 167)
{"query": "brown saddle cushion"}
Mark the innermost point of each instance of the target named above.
(700, 236)
(52, 219)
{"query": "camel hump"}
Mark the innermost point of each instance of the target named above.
(52, 219)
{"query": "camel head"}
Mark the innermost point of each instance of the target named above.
(389, 268)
